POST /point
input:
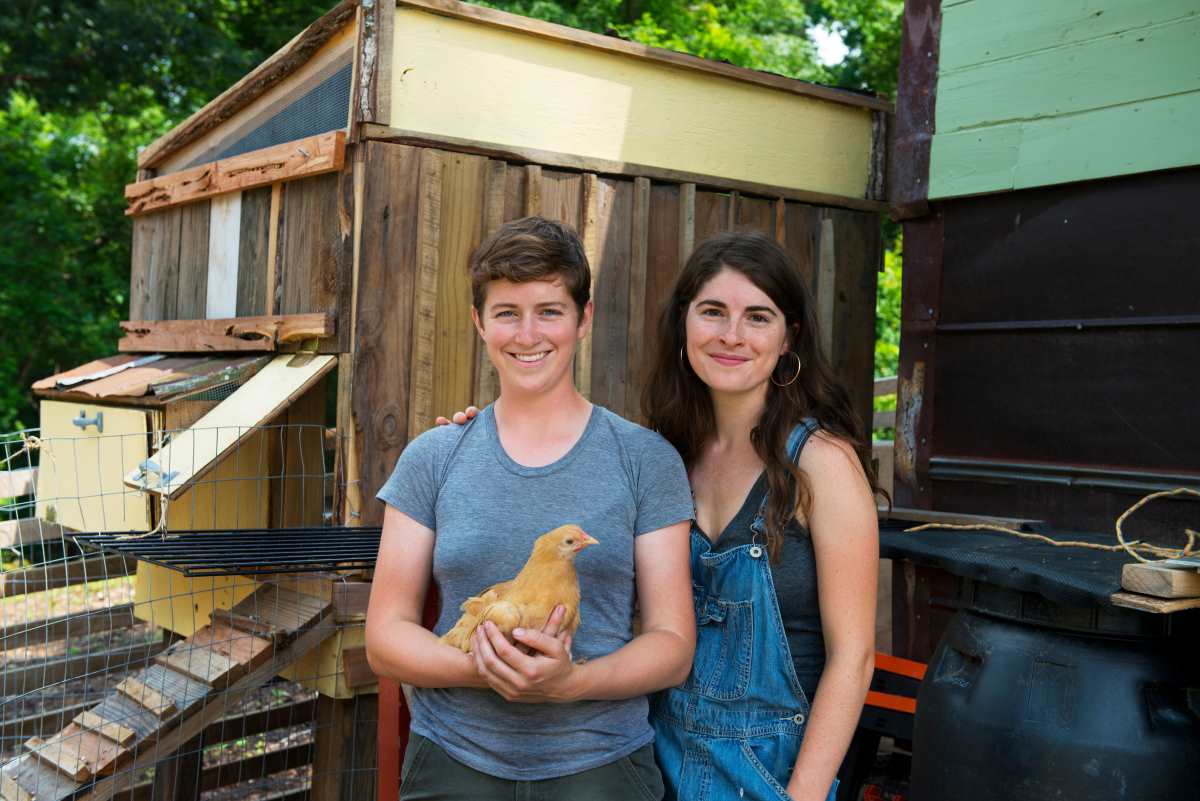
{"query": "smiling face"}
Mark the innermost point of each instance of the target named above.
(735, 334)
(531, 330)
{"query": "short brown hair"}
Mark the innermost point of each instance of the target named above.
(531, 249)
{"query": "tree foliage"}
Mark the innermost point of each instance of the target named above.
(84, 83)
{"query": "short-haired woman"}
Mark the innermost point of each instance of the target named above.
(464, 506)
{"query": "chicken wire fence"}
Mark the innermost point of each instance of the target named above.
(126, 675)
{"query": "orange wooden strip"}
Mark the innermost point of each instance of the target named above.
(895, 702)
(904, 667)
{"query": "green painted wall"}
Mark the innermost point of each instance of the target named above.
(1038, 92)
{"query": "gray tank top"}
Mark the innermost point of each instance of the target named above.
(795, 577)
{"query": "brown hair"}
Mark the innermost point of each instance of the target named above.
(531, 249)
(678, 405)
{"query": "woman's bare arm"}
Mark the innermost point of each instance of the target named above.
(845, 531)
(398, 646)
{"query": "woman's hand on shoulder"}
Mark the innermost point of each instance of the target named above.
(539, 674)
(458, 418)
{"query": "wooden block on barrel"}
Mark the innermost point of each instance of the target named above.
(1152, 578)
(113, 731)
(161, 706)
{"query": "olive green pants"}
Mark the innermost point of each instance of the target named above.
(430, 774)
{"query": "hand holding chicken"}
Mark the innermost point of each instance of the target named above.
(548, 580)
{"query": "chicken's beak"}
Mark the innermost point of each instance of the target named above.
(587, 540)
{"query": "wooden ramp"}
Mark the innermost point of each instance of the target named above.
(150, 714)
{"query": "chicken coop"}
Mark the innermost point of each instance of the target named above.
(1047, 388)
(299, 311)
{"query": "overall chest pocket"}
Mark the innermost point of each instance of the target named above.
(724, 647)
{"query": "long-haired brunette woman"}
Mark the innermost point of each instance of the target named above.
(784, 548)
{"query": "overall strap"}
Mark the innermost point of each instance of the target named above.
(795, 443)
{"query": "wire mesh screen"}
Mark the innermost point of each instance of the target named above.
(124, 678)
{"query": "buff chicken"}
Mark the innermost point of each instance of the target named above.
(527, 601)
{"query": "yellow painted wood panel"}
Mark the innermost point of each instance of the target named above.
(80, 475)
(173, 601)
(456, 78)
(322, 669)
(234, 494)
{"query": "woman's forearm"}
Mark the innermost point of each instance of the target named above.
(832, 720)
(407, 652)
(649, 662)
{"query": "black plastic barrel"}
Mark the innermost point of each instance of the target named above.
(1010, 710)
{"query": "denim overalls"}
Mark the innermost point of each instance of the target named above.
(733, 729)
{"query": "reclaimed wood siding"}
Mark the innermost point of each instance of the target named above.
(1032, 93)
(416, 352)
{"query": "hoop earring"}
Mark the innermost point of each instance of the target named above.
(796, 375)
(683, 358)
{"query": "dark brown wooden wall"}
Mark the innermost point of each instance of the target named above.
(1057, 330)
(425, 210)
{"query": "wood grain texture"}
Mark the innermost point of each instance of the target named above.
(425, 294)
(639, 253)
(383, 338)
(146, 697)
(664, 258)
(121, 735)
(713, 214)
(561, 195)
(302, 486)
(857, 257)
(266, 333)
(1159, 581)
(316, 264)
(313, 155)
(908, 162)
(499, 198)
(1158, 606)
(192, 284)
(224, 230)
(464, 180)
(590, 235)
(755, 214)
(609, 369)
(800, 234)
(155, 264)
(253, 246)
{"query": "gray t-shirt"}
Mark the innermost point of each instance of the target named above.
(617, 482)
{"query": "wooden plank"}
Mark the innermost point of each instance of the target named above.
(384, 337)
(574, 36)
(518, 153)
(316, 274)
(497, 199)
(64, 574)
(119, 734)
(254, 241)
(205, 665)
(1162, 582)
(350, 600)
(1072, 76)
(687, 221)
(562, 197)
(74, 624)
(265, 76)
(225, 225)
(712, 214)
(21, 677)
(155, 264)
(756, 214)
(301, 488)
(825, 294)
(192, 291)
(639, 249)
(239, 647)
(15, 483)
(147, 698)
(1058, 150)
(358, 671)
(665, 256)
(589, 235)
(197, 723)
(193, 453)
(859, 255)
(1158, 606)
(314, 155)
(29, 531)
(344, 761)
(460, 232)
(279, 609)
(425, 295)
(79, 753)
(611, 336)
(263, 333)
(274, 254)
(55, 754)
(801, 233)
